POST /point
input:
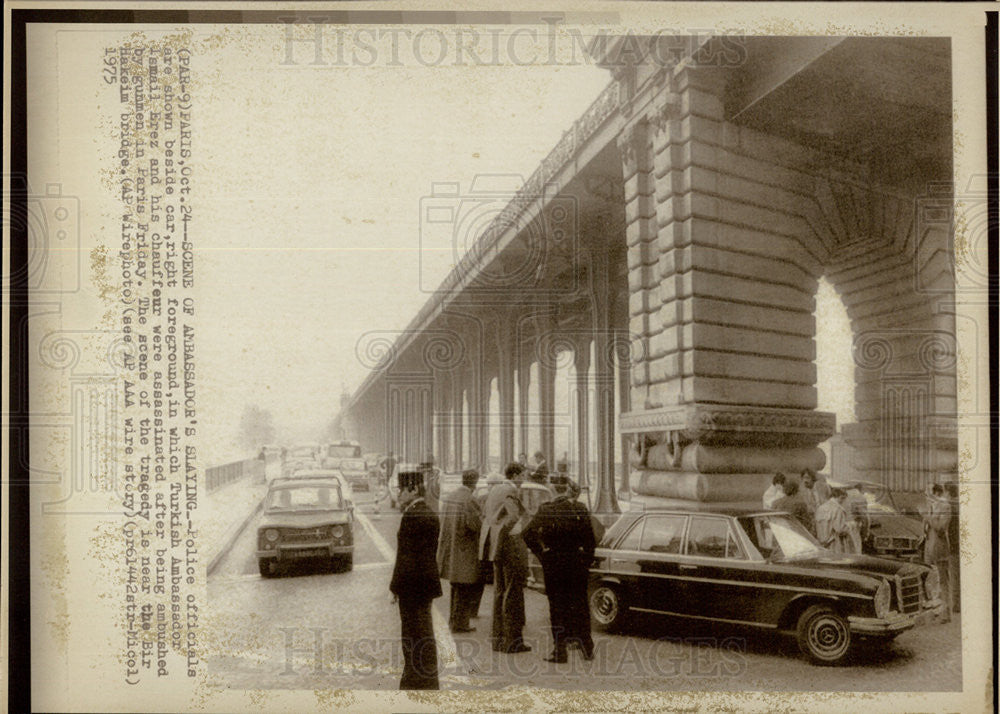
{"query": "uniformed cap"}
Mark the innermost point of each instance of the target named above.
(410, 477)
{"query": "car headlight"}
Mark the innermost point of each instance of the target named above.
(932, 584)
(271, 534)
(882, 597)
(338, 531)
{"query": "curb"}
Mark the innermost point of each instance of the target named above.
(230, 539)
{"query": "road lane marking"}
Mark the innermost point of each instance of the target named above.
(387, 551)
(442, 634)
(256, 576)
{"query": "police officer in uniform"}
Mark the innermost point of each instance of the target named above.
(562, 538)
(415, 583)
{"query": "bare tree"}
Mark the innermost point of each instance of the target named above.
(256, 427)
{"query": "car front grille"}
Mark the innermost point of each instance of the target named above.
(908, 593)
(305, 535)
(900, 543)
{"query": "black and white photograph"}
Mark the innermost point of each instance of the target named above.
(606, 357)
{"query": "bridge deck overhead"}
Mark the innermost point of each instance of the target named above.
(669, 248)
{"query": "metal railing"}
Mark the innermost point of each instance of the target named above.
(217, 476)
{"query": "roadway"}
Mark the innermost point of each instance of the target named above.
(312, 628)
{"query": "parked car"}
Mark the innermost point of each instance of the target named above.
(885, 529)
(761, 569)
(305, 518)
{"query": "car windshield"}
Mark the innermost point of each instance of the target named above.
(780, 537)
(879, 499)
(304, 498)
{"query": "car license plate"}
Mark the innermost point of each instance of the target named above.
(308, 552)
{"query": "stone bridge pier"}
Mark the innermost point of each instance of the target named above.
(674, 242)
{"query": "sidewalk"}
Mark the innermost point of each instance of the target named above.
(224, 513)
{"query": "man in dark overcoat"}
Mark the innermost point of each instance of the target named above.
(561, 537)
(415, 584)
(458, 551)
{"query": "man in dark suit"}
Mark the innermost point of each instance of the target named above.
(415, 583)
(561, 536)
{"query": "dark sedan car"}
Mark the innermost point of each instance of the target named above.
(886, 529)
(761, 569)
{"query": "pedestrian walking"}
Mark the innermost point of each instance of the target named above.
(501, 543)
(937, 545)
(458, 551)
(561, 537)
(415, 584)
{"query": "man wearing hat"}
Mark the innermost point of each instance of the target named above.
(415, 583)
(561, 536)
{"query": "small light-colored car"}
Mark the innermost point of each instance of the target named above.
(306, 518)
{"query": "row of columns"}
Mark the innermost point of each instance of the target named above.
(463, 410)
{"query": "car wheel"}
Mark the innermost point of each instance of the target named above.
(267, 567)
(824, 636)
(608, 608)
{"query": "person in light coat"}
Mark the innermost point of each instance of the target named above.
(458, 551)
(775, 491)
(937, 545)
(500, 542)
(833, 526)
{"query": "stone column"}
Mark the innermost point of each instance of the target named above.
(622, 373)
(544, 329)
(506, 355)
(581, 363)
(474, 406)
(457, 418)
(523, 386)
(726, 395)
(487, 367)
(604, 384)
(442, 422)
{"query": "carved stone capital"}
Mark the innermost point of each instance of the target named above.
(724, 424)
(628, 143)
(666, 110)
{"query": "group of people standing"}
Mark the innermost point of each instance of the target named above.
(470, 541)
(825, 512)
(839, 522)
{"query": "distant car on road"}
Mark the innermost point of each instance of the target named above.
(331, 455)
(356, 473)
(306, 518)
(298, 457)
(761, 569)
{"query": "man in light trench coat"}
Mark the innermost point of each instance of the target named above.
(458, 551)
